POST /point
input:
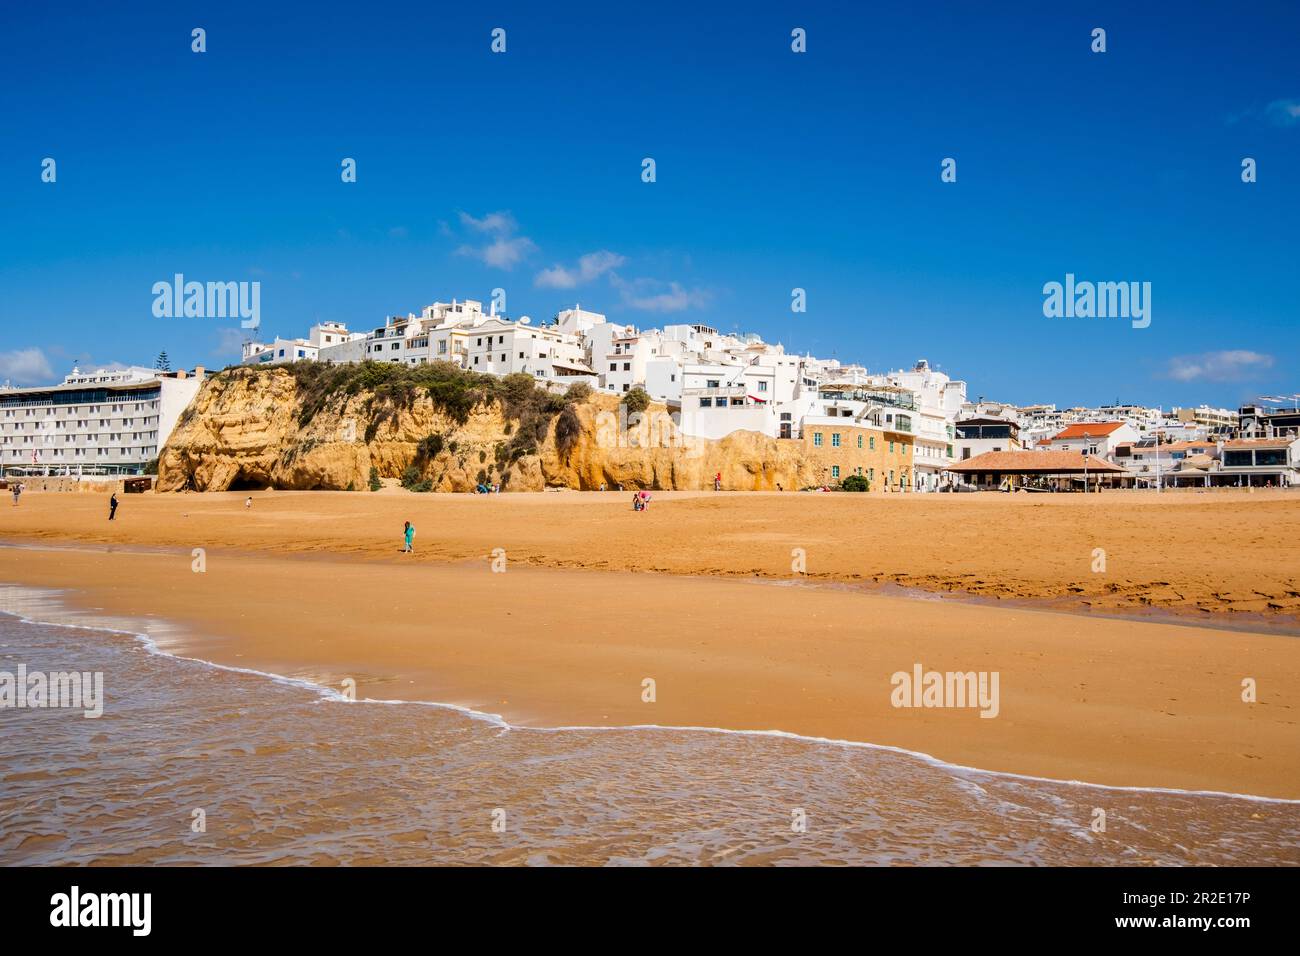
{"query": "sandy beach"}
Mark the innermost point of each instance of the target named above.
(311, 585)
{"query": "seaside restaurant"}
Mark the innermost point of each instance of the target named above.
(1037, 471)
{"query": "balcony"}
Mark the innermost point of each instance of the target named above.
(726, 391)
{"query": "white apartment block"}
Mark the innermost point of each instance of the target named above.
(1214, 420)
(106, 422)
(938, 401)
(459, 332)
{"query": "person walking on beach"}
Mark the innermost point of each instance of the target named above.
(248, 502)
(717, 482)
(112, 507)
(18, 490)
(409, 533)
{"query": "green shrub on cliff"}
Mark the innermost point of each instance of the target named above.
(578, 392)
(430, 446)
(389, 388)
(456, 392)
(567, 429)
(636, 399)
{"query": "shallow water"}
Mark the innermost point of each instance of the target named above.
(287, 773)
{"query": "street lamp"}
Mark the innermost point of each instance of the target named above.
(1159, 482)
(1086, 439)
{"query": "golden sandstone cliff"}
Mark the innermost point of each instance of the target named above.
(326, 427)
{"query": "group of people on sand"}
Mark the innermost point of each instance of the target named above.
(640, 500)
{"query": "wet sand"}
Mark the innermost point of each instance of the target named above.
(1115, 702)
(287, 774)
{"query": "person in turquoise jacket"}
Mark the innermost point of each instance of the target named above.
(410, 537)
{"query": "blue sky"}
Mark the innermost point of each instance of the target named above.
(775, 170)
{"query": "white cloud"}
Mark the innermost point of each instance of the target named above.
(1283, 112)
(653, 295)
(591, 266)
(497, 223)
(1224, 366)
(25, 367)
(506, 250)
(501, 253)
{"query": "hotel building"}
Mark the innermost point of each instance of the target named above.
(106, 422)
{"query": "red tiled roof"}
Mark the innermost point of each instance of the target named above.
(1037, 463)
(1258, 443)
(1094, 430)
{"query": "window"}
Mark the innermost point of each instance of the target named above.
(500, 339)
(762, 386)
(627, 366)
(817, 439)
(859, 445)
(835, 439)
(891, 451)
(503, 356)
(613, 366)
(706, 403)
(835, 471)
(1270, 456)
(871, 442)
(521, 354)
(712, 383)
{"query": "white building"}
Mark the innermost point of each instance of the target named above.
(106, 422)
(1095, 438)
(938, 401)
(718, 382)
(459, 332)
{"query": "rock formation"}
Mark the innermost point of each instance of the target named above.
(254, 428)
